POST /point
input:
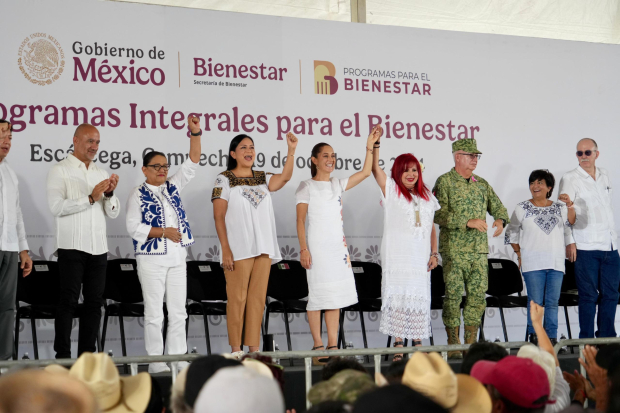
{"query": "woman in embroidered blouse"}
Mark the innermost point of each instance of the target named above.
(536, 232)
(246, 227)
(408, 248)
(158, 225)
(325, 256)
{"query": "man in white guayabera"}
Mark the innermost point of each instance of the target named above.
(593, 244)
(80, 195)
(12, 242)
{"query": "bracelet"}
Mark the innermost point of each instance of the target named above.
(108, 195)
(572, 205)
(376, 146)
(91, 199)
(163, 233)
(305, 249)
(435, 254)
(196, 134)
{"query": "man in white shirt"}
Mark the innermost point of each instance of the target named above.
(80, 195)
(593, 244)
(12, 243)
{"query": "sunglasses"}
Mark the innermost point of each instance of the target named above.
(588, 153)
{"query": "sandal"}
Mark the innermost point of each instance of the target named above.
(397, 357)
(319, 361)
(417, 343)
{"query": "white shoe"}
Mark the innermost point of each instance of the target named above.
(158, 368)
(237, 355)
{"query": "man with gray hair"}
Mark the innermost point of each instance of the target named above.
(592, 244)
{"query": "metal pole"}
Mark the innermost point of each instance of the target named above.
(133, 368)
(308, 367)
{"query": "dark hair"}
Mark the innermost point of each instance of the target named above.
(395, 371)
(231, 163)
(330, 406)
(338, 364)
(543, 175)
(513, 407)
(315, 153)
(6, 121)
(156, 403)
(396, 398)
(482, 350)
(149, 156)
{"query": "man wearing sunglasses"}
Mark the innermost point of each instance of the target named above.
(465, 199)
(592, 245)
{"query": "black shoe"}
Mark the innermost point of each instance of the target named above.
(554, 341)
(533, 338)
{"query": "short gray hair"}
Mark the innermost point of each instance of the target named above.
(589, 139)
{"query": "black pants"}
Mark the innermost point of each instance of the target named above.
(77, 268)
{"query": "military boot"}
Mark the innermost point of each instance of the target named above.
(471, 335)
(453, 338)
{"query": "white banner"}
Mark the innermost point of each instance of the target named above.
(137, 72)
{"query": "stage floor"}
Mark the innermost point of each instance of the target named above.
(294, 378)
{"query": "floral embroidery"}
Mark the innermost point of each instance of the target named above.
(258, 179)
(545, 217)
(546, 223)
(254, 195)
(347, 260)
(217, 193)
(340, 200)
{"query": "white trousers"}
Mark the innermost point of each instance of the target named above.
(157, 281)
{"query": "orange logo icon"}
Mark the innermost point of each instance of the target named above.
(324, 81)
(41, 59)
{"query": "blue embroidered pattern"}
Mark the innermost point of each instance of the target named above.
(546, 218)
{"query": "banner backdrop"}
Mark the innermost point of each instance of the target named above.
(136, 72)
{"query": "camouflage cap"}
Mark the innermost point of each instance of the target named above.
(466, 145)
(345, 386)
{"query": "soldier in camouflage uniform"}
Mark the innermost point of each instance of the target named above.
(465, 199)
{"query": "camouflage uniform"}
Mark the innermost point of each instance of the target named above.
(464, 250)
(346, 386)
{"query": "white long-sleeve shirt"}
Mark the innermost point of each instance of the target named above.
(139, 231)
(12, 230)
(594, 228)
(79, 225)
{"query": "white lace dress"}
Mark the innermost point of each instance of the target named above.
(405, 251)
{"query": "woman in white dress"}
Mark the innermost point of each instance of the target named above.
(246, 226)
(158, 225)
(408, 250)
(330, 278)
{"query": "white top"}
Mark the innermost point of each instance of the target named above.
(594, 228)
(331, 283)
(405, 252)
(540, 233)
(250, 221)
(13, 232)
(560, 393)
(139, 231)
(79, 225)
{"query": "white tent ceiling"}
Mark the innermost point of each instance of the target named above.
(581, 20)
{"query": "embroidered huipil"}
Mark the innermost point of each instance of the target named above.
(594, 227)
(79, 225)
(250, 221)
(405, 252)
(160, 206)
(12, 230)
(540, 233)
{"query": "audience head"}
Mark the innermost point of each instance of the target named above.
(482, 350)
(346, 385)
(265, 366)
(241, 152)
(239, 390)
(323, 158)
(338, 364)
(86, 142)
(515, 384)
(543, 180)
(37, 391)
(395, 371)
(196, 375)
(431, 375)
(396, 398)
(113, 393)
(545, 360)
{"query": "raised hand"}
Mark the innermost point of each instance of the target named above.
(291, 141)
(172, 234)
(566, 199)
(478, 224)
(113, 183)
(374, 136)
(99, 189)
(193, 123)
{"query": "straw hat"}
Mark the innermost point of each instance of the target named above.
(114, 394)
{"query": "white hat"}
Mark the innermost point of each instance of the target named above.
(239, 390)
(543, 359)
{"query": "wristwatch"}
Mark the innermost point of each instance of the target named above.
(108, 195)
